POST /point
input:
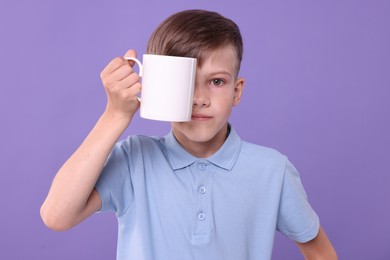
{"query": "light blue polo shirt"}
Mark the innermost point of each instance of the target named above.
(173, 206)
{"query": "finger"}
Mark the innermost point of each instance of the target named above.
(122, 72)
(131, 53)
(125, 83)
(111, 80)
(129, 93)
(135, 90)
(113, 65)
(131, 80)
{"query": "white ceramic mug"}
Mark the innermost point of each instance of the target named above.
(167, 87)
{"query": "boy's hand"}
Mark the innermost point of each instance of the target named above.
(122, 87)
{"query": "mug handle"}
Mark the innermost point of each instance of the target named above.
(141, 67)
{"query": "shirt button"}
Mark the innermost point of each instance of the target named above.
(202, 166)
(201, 216)
(202, 189)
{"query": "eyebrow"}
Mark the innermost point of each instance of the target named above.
(219, 73)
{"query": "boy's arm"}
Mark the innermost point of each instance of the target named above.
(72, 196)
(319, 248)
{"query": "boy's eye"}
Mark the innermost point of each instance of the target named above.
(217, 82)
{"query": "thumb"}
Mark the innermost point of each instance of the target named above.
(131, 53)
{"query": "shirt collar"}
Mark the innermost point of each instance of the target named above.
(224, 158)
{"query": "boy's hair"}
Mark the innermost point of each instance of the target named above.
(193, 33)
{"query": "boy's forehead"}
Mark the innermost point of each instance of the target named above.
(225, 56)
(224, 50)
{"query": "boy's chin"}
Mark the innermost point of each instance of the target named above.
(202, 135)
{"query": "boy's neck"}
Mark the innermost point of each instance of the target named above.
(207, 148)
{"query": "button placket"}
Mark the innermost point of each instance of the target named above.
(203, 219)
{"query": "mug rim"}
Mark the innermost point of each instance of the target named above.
(169, 56)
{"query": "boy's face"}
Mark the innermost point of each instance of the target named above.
(217, 90)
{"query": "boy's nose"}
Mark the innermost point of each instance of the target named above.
(201, 96)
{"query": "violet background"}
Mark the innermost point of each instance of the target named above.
(317, 89)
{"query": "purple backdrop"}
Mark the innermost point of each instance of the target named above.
(318, 79)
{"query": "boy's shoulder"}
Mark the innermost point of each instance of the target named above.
(257, 149)
(141, 141)
(262, 156)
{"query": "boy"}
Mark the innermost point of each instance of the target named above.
(200, 192)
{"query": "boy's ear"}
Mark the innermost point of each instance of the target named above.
(238, 91)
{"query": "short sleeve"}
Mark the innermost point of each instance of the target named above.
(296, 218)
(114, 184)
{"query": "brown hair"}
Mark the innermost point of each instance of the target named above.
(192, 33)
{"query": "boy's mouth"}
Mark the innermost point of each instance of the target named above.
(200, 117)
